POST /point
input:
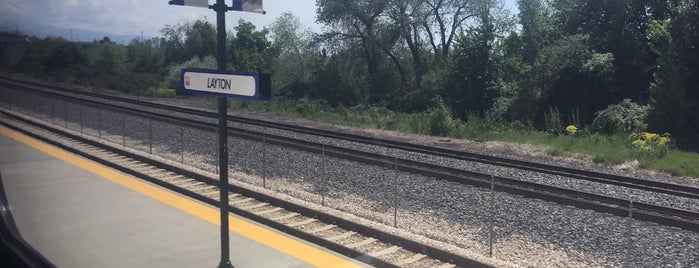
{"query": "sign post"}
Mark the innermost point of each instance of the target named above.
(223, 84)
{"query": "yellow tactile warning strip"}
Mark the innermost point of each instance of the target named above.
(289, 246)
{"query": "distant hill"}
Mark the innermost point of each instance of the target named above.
(79, 35)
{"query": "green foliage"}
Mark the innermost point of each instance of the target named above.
(173, 78)
(580, 56)
(651, 144)
(667, 93)
(599, 63)
(439, 118)
(160, 92)
(624, 117)
(248, 49)
(675, 162)
(553, 123)
(200, 39)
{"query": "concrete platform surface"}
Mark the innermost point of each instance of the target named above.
(78, 213)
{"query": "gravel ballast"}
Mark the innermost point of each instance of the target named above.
(527, 232)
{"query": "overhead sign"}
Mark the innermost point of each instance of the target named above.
(242, 85)
(191, 3)
(254, 6)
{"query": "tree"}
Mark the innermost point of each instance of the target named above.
(472, 68)
(107, 58)
(145, 56)
(535, 18)
(667, 93)
(684, 30)
(358, 22)
(449, 16)
(617, 27)
(173, 43)
(248, 49)
(292, 65)
(200, 39)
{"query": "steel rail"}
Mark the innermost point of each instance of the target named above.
(629, 182)
(666, 216)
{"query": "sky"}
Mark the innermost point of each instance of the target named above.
(131, 17)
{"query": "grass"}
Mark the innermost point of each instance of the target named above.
(676, 162)
(610, 149)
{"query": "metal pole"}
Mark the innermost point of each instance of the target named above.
(630, 209)
(150, 135)
(123, 130)
(492, 216)
(395, 192)
(221, 8)
(53, 116)
(65, 114)
(629, 241)
(99, 123)
(264, 160)
(182, 142)
(322, 180)
(81, 119)
(11, 99)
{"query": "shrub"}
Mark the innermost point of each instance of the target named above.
(439, 117)
(625, 117)
(651, 144)
(173, 77)
(161, 93)
(552, 122)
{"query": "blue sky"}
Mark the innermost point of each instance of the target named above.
(133, 16)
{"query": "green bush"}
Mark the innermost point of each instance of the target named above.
(439, 117)
(161, 92)
(553, 122)
(173, 77)
(625, 117)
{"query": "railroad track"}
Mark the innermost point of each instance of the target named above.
(629, 182)
(586, 175)
(662, 215)
(363, 243)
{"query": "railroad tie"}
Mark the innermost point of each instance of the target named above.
(254, 206)
(410, 260)
(190, 183)
(301, 223)
(268, 211)
(241, 201)
(362, 243)
(324, 228)
(287, 216)
(384, 251)
(212, 195)
(173, 177)
(340, 236)
(203, 187)
(447, 265)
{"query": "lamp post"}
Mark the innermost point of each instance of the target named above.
(221, 8)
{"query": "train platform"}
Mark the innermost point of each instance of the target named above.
(78, 213)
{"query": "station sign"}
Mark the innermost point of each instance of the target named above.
(241, 85)
(254, 6)
(191, 3)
